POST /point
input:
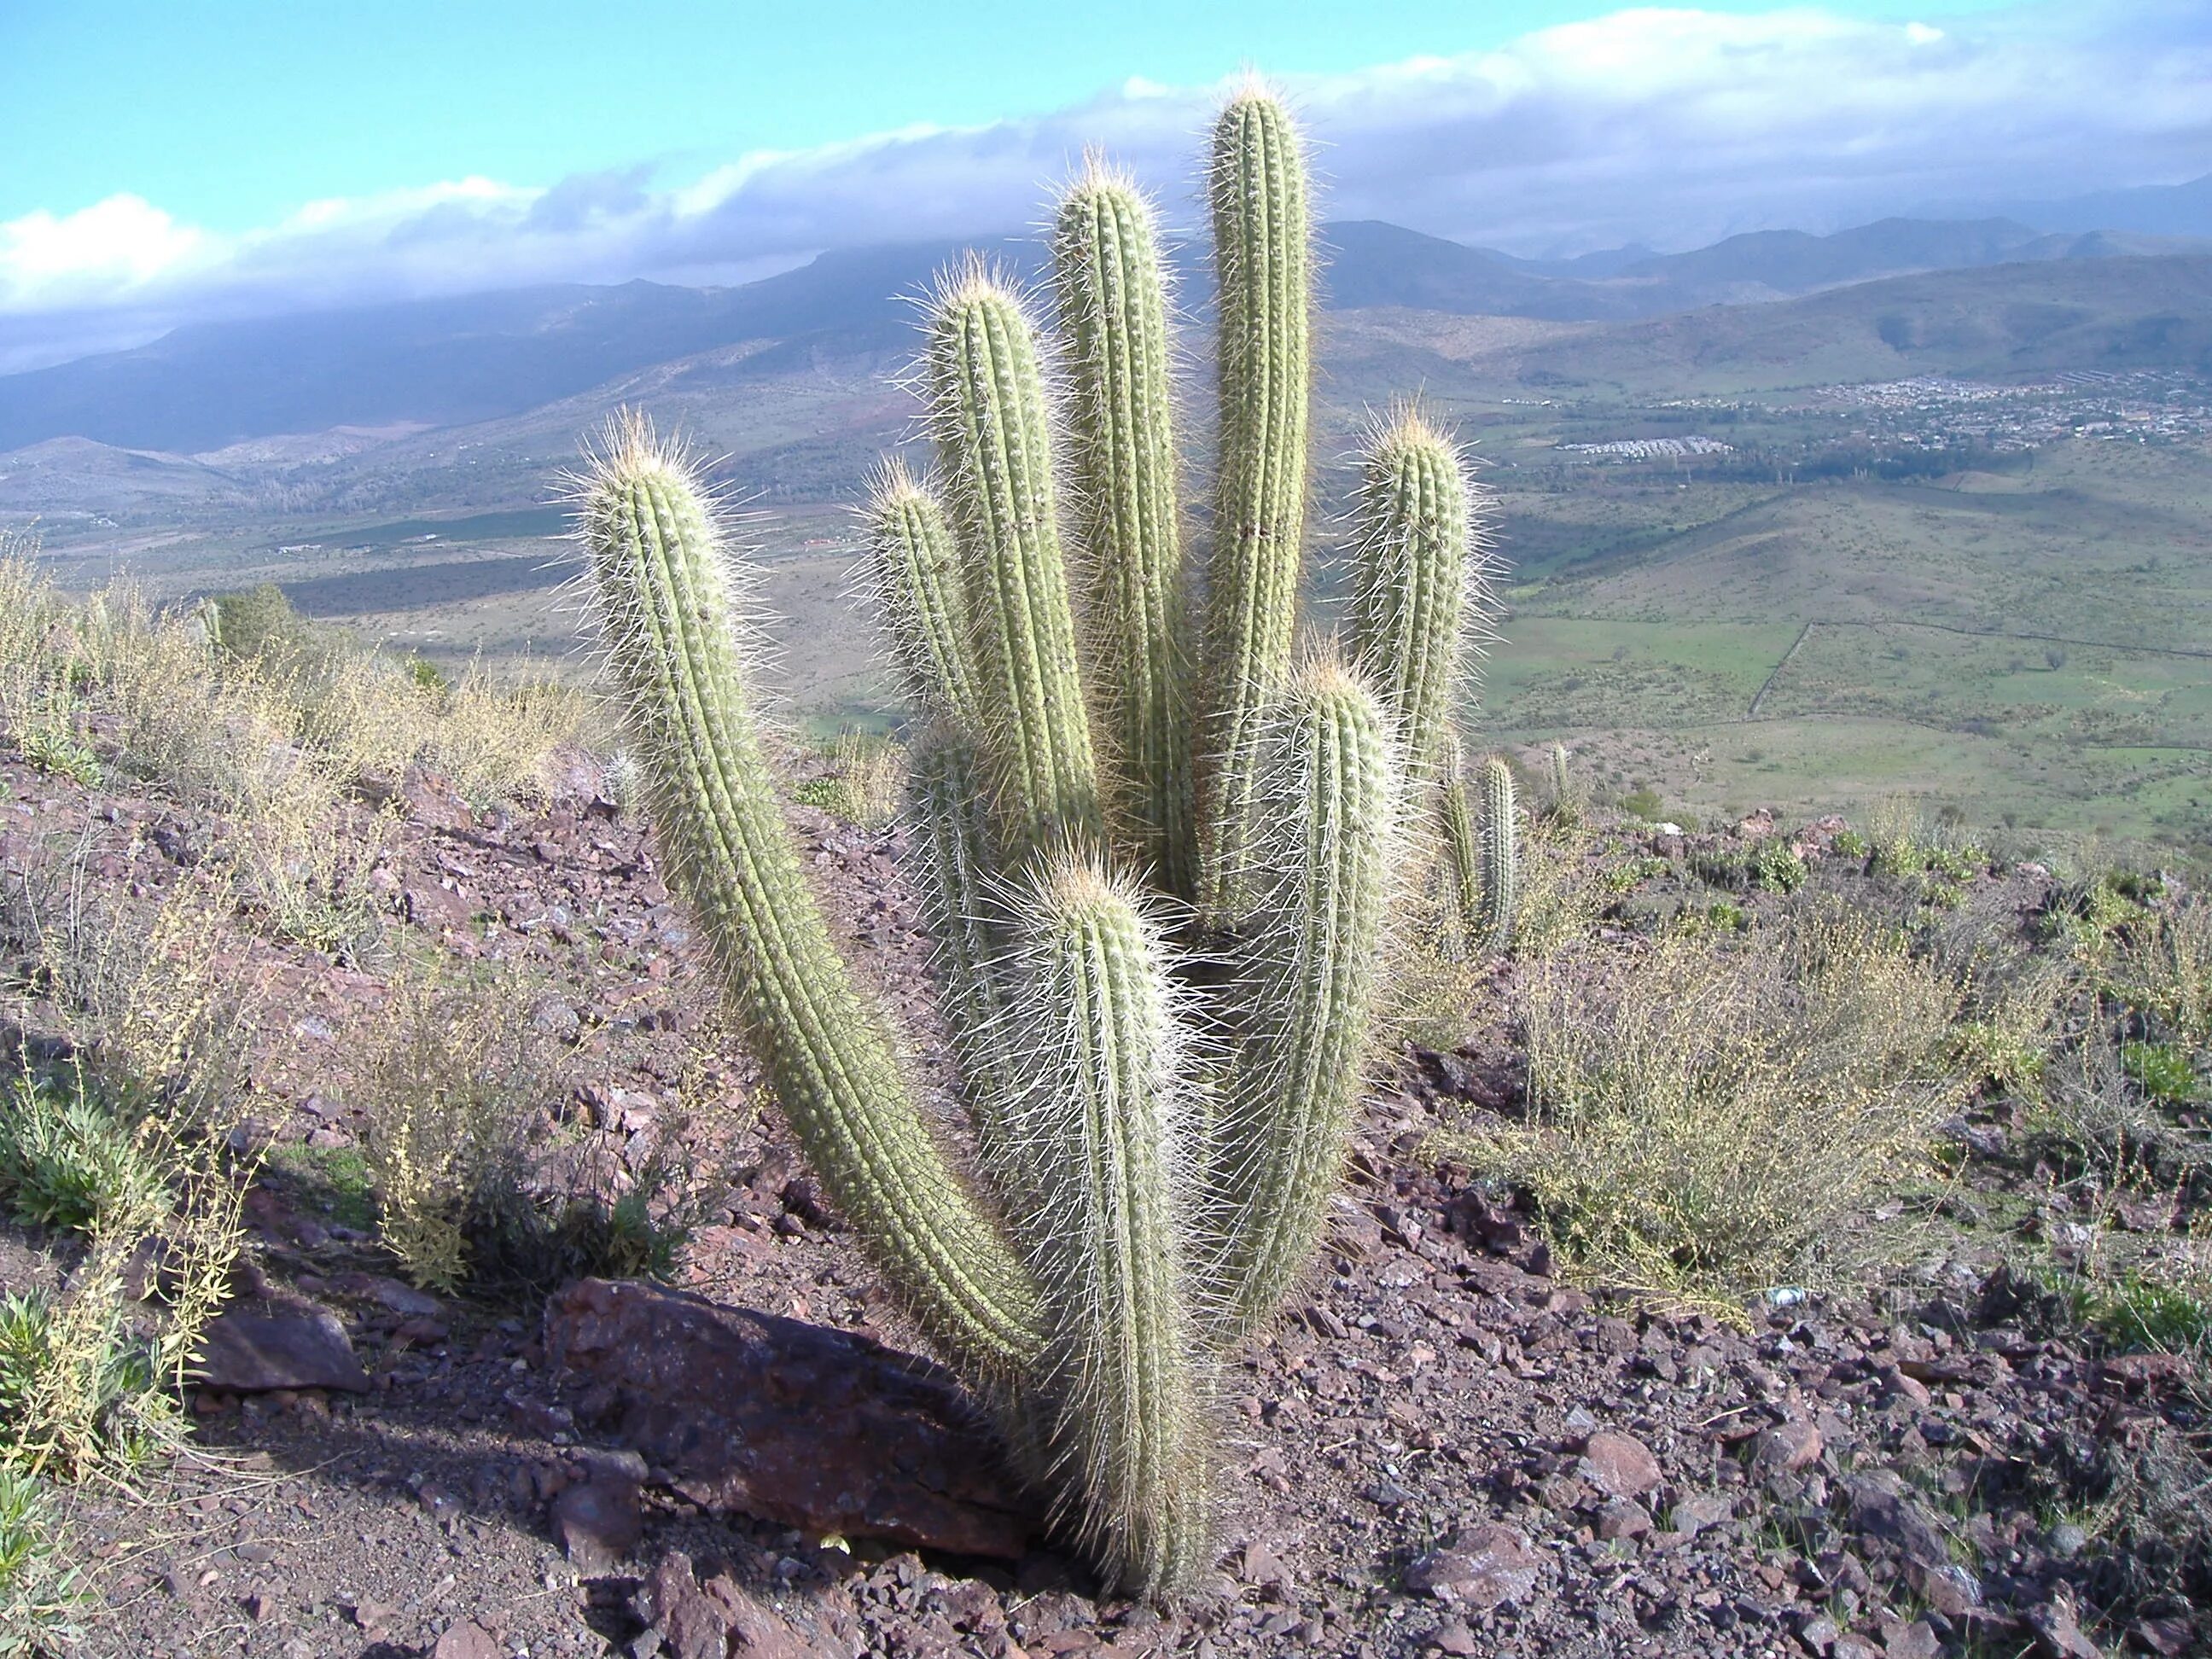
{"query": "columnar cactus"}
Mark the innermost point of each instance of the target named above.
(1421, 578)
(1501, 878)
(1562, 794)
(1481, 849)
(1263, 270)
(1154, 1145)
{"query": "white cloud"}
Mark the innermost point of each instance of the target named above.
(1668, 126)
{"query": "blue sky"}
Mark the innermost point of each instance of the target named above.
(175, 162)
(232, 114)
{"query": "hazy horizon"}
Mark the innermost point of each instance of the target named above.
(1601, 128)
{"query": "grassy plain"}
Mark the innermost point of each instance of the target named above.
(2037, 653)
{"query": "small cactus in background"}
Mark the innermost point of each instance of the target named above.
(1481, 849)
(1501, 881)
(1088, 817)
(1563, 792)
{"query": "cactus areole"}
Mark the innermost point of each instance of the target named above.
(1109, 779)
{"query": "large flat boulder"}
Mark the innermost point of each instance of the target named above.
(799, 1424)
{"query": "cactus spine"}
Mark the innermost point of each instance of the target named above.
(1501, 888)
(1262, 263)
(1101, 1115)
(915, 574)
(671, 627)
(994, 446)
(1136, 1205)
(1418, 579)
(1329, 776)
(1113, 315)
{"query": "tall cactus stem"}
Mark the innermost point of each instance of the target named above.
(670, 623)
(1417, 566)
(915, 574)
(987, 408)
(1563, 792)
(1501, 888)
(1103, 1117)
(950, 858)
(1263, 269)
(1113, 312)
(1331, 779)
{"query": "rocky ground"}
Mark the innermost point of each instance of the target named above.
(1442, 1447)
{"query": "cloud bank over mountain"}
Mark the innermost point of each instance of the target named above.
(1670, 127)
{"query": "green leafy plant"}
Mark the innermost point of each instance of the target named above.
(2164, 1071)
(66, 1161)
(42, 1594)
(1098, 807)
(1777, 867)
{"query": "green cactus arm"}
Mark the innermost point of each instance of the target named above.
(1563, 785)
(1263, 258)
(1112, 300)
(1312, 969)
(1462, 837)
(987, 409)
(915, 574)
(1419, 578)
(1501, 887)
(948, 857)
(1102, 1114)
(670, 625)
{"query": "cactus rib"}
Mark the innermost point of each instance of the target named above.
(670, 622)
(1501, 892)
(916, 576)
(1114, 320)
(1261, 241)
(1330, 774)
(995, 445)
(1102, 1113)
(1415, 567)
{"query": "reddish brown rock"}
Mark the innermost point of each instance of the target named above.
(1480, 1569)
(717, 1619)
(814, 1428)
(1618, 1465)
(254, 1354)
(1786, 1447)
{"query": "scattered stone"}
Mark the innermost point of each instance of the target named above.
(2057, 1635)
(1695, 1514)
(598, 1524)
(1623, 1518)
(253, 1353)
(1618, 1465)
(716, 1620)
(817, 1429)
(1481, 1568)
(1786, 1448)
(467, 1640)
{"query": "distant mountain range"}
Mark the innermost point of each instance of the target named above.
(2145, 210)
(453, 362)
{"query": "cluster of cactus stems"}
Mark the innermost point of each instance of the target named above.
(1481, 848)
(1157, 841)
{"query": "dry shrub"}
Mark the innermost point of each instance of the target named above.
(2161, 966)
(450, 1082)
(1563, 889)
(474, 1184)
(122, 1153)
(149, 997)
(495, 740)
(1705, 1112)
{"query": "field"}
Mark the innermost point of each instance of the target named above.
(2039, 654)
(1998, 604)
